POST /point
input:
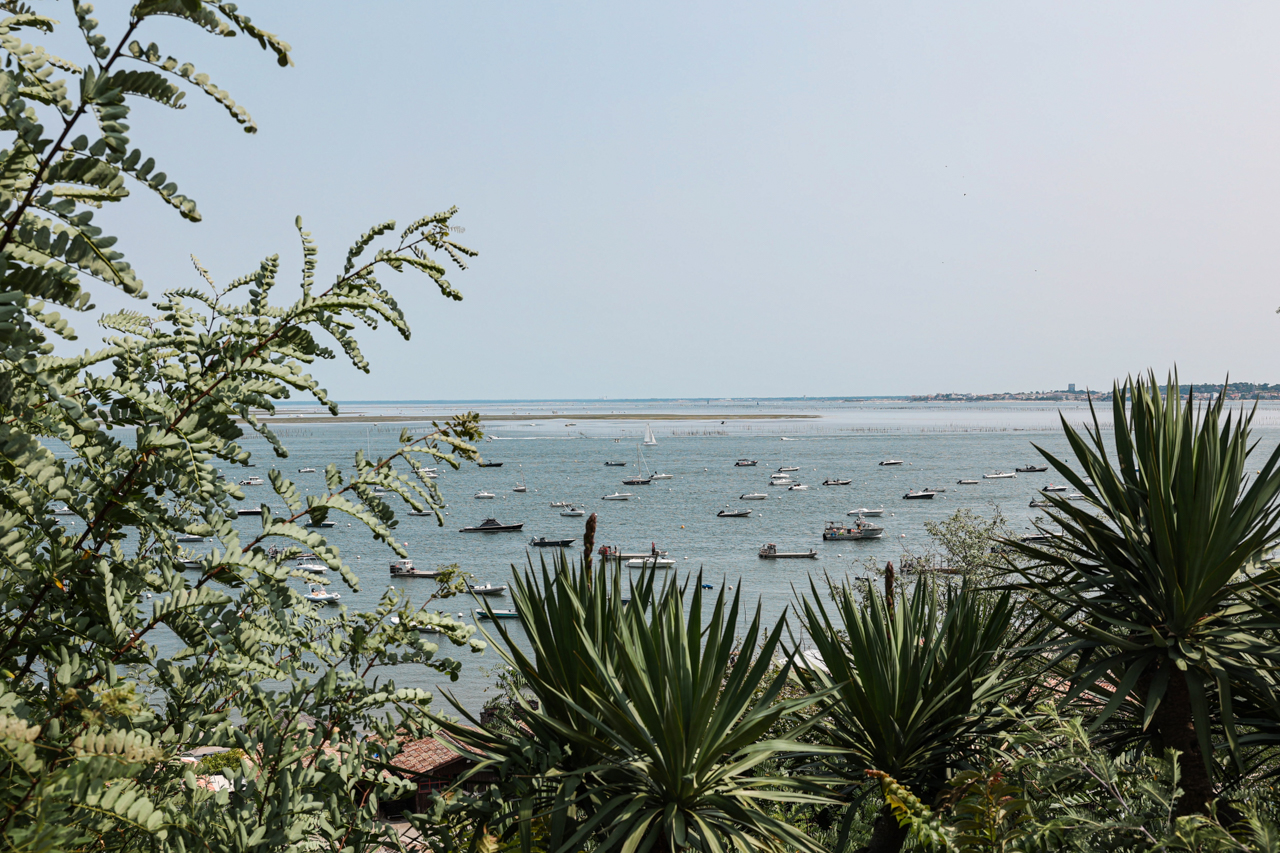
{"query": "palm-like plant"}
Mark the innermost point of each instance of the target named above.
(911, 686)
(650, 722)
(1157, 582)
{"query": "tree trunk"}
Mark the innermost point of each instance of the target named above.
(886, 835)
(1174, 723)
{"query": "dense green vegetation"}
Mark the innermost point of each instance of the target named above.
(1110, 687)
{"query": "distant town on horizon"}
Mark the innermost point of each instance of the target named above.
(1233, 390)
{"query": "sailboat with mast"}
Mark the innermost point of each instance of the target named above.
(643, 476)
(649, 440)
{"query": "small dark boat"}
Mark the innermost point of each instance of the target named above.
(491, 525)
(936, 491)
(740, 513)
(966, 482)
(636, 481)
(836, 482)
(1052, 488)
(746, 463)
(254, 511)
(323, 524)
(544, 542)
(1035, 504)
(616, 464)
(1032, 469)
(918, 496)
(490, 464)
(771, 552)
(1035, 538)
(891, 462)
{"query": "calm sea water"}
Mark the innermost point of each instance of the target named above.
(939, 444)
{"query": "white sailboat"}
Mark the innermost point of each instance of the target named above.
(649, 440)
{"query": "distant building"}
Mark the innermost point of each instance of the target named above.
(1071, 388)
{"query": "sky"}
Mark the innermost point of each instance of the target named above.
(750, 199)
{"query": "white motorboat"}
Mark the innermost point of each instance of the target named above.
(918, 496)
(785, 468)
(252, 481)
(428, 475)
(649, 440)
(64, 511)
(487, 589)
(836, 481)
(867, 513)
(519, 487)
(797, 487)
(891, 462)
(650, 563)
(754, 496)
(1052, 488)
(558, 504)
(966, 482)
(1077, 496)
(306, 470)
(484, 496)
(313, 568)
(322, 524)
(781, 480)
(317, 594)
(189, 538)
(660, 476)
(745, 463)
(618, 496)
(405, 569)
(573, 512)
(1000, 475)
(497, 614)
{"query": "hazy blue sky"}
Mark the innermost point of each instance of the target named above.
(692, 199)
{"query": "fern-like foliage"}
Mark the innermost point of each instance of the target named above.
(130, 438)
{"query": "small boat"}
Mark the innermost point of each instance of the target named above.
(860, 529)
(64, 511)
(797, 487)
(405, 569)
(867, 513)
(186, 565)
(832, 482)
(307, 556)
(428, 475)
(736, 513)
(321, 524)
(1035, 538)
(544, 542)
(491, 525)
(936, 491)
(613, 553)
(186, 537)
(519, 487)
(636, 481)
(918, 496)
(615, 464)
(754, 496)
(490, 464)
(650, 563)
(1000, 475)
(891, 462)
(496, 614)
(306, 470)
(487, 589)
(781, 481)
(966, 482)
(771, 552)
(317, 594)
(1052, 488)
(1032, 469)
(484, 496)
(657, 476)
(420, 512)
(784, 438)
(649, 440)
(313, 568)
(786, 468)
(1035, 504)
(746, 463)
(618, 496)
(1077, 496)
(253, 511)
(252, 481)
(573, 512)
(558, 504)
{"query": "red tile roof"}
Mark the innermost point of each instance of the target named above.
(427, 756)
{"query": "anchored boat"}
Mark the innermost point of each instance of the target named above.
(737, 513)
(544, 542)
(771, 552)
(405, 569)
(860, 529)
(491, 525)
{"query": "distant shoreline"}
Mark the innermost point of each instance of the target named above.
(619, 416)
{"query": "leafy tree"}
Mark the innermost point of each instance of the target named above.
(128, 438)
(649, 731)
(911, 686)
(1157, 583)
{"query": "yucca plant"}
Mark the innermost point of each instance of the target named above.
(1156, 581)
(911, 686)
(649, 728)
